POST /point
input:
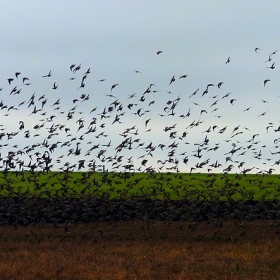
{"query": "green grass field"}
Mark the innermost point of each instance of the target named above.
(174, 186)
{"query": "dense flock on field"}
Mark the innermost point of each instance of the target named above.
(80, 121)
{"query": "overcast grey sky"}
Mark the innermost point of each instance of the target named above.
(114, 38)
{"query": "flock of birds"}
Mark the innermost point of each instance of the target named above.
(22, 211)
(38, 132)
(151, 131)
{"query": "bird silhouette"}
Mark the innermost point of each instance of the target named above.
(172, 80)
(48, 75)
(55, 86)
(265, 81)
(183, 76)
(113, 86)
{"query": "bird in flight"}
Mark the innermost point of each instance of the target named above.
(262, 114)
(24, 79)
(72, 66)
(247, 109)
(194, 93)
(183, 76)
(17, 74)
(265, 81)
(269, 57)
(113, 86)
(226, 95)
(47, 76)
(159, 52)
(172, 80)
(55, 86)
(272, 66)
(10, 80)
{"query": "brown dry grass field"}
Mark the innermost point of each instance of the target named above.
(133, 250)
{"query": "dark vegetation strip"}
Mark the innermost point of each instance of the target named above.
(24, 211)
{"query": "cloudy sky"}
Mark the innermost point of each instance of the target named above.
(115, 38)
